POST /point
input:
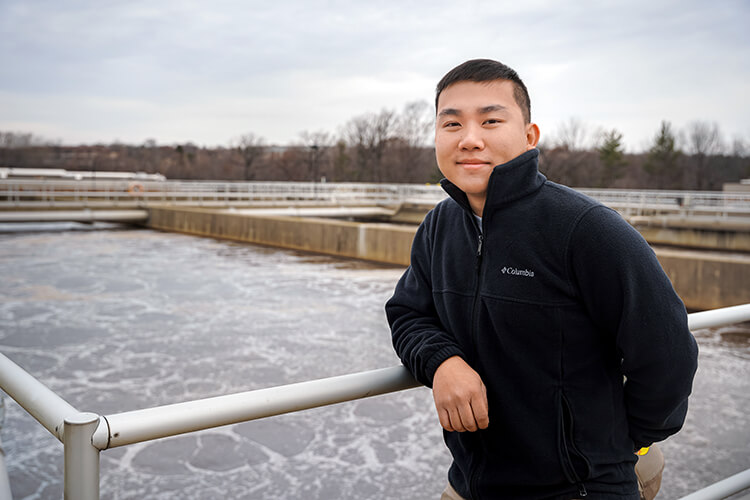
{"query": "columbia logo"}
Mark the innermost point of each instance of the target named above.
(517, 272)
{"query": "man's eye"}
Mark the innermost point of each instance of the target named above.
(452, 124)
(492, 121)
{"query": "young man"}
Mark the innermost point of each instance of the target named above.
(524, 306)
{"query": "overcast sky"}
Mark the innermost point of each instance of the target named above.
(207, 72)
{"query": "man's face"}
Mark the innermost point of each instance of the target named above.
(479, 125)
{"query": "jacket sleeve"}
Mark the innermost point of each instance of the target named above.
(419, 338)
(630, 298)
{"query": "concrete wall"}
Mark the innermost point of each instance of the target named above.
(730, 233)
(376, 242)
(697, 238)
(704, 280)
(707, 280)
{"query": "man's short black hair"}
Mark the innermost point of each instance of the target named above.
(487, 70)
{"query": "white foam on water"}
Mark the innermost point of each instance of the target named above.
(116, 320)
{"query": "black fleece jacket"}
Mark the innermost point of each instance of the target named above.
(552, 303)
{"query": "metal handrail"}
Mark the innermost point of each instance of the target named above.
(55, 193)
(724, 488)
(82, 432)
(719, 317)
(170, 420)
(41, 402)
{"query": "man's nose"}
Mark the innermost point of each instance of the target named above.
(472, 139)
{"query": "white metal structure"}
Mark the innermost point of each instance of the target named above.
(84, 435)
(131, 194)
(59, 173)
(35, 193)
(85, 215)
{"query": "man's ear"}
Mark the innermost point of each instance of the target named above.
(532, 136)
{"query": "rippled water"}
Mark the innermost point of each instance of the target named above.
(117, 319)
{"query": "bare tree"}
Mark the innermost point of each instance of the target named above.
(318, 146)
(368, 135)
(289, 164)
(572, 135)
(572, 168)
(408, 157)
(21, 149)
(21, 140)
(415, 123)
(341, 162)
(740, 147)
(702, 142)
(251, 147)
(564, 157)
(702, 138)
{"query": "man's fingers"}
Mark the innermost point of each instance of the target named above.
(445, 420)
(468, 421)
(480, 409)
(456, 424)
(466, 417)
(460, 396)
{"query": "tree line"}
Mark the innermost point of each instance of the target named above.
(395, 147)
(694, 158)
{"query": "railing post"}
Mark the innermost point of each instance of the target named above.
(81, 457)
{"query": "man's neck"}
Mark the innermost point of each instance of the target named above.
(476, 202)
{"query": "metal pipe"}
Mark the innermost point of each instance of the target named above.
(723, 489)
(154, 423)
(5, 493)
(84, 434)
(81, 481)
(719, 317)
(45, 406)
(76, 216)
(170, 420)
(57, 192)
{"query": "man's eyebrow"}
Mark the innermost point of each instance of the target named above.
(482, 111)
(449, 112)
(491, 109)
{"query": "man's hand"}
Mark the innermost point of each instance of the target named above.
(460, 396)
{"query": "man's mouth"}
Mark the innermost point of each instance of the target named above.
(472, 162)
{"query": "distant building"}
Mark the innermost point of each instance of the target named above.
(737, 187)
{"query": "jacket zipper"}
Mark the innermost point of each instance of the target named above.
(574, 475)
(478, 272)
(474, 317)
(479, 258)
(567, 461)
(475, 305)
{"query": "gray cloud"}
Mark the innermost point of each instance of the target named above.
(189, 71)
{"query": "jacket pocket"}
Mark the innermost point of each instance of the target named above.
(575, 464)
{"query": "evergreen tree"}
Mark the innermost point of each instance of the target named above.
(612, 157)
(661, 161)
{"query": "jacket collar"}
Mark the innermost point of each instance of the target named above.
(508, 182)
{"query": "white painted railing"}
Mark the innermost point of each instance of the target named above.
(724, 488)
(687, 203)
(84, 435)
(16, 193)
(50, 193)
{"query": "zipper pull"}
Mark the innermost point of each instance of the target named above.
(582, 490)
(479, 247)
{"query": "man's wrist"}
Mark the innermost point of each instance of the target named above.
(439, 358)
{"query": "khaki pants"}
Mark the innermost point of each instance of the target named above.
(450, 494)
(648, 469)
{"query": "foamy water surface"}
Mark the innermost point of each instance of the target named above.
(117, 319)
